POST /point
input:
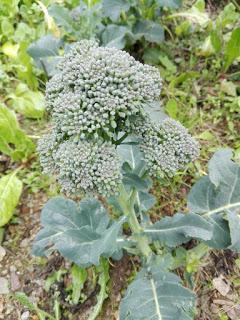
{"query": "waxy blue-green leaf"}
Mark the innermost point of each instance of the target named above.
(234, 226)
(113, 8)
(155, 112)
(146, 201)
(117, 36)
(10, 192)
(81, 232)
(216, 197)
(63, 18)
(172, 4)
(149, 30)
(178, 229)
(157, 294)
(132, 155)
(45, 52)
(221, 238)
(220, 191)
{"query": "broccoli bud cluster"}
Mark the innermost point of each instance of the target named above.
(97, 89)
(98, 94)
(88, 166)
(167, 146)
(81, 165)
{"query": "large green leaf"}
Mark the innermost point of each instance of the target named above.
(155, 111)
(157, 294)
(63, 18)
(217, 198)
(13, 141)
(232, 50)
(172, 4)
(149, 30)
(27, 102)
(45, 52)
(117, 36)
(113, 8)
(178, 229)
(80, 232)
(10, 192)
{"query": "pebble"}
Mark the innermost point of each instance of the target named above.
(14, 280)
(4, 287)
(25, 315)
(2, 253)
(24, 243)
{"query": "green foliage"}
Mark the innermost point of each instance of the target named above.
(25, 301)
(232, 50)
(79, 276)
(217, 198)
(224, 31)
(13, 141)
(173, 231)
(10, 192)
(118, 24)
(86, 226)
(45, 53)
(27, 102)
(157, 294)
(102, 281)
(194, 93)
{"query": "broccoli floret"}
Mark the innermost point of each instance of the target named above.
(46, 148)
(97, 89)
(89, 167)
(167, 146)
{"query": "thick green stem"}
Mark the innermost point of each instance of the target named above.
(127, 204)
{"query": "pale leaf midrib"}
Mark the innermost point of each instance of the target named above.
(158, 312)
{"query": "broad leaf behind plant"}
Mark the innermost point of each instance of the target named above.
(216, 197)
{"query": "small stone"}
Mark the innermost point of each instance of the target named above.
(4, 287)
(2, 253)
(25, 315)
(24, 243)
(14, 279)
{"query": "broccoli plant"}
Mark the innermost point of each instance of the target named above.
(110, 138)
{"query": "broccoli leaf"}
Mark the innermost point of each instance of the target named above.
(117, 36)
(157, 294)
(172, 4)
(113, 8)
(80, 232)
(45, 52)
(173, 231)
(149, 30)
(216, 197)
